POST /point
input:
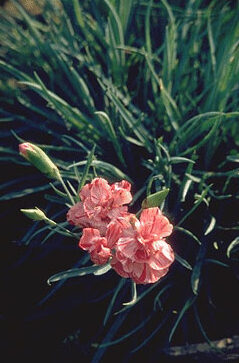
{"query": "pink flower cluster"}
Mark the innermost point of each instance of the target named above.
(100, 203)
(136, 247)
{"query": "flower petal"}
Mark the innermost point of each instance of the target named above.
(100, 191)
(117, 212)
(100, 255)
(124, 184)
(127, 247)
(149, 275)
(118, 267)
(121, 193)
(138, 269)
(85, 192)
(76, 215)
(153, 222)
(89, 238)
(113, 233)
(154, 275)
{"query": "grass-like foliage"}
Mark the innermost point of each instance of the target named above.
(140, 90)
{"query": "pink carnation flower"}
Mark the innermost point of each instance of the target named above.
(100, 203)
(140, 251)
(137, 247)
(96, 245)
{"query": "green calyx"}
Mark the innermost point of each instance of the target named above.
(42, 162)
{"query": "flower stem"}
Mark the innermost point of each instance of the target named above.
(66, 190)
(57, 226)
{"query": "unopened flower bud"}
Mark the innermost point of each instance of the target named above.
(39, 159)
(34, 214)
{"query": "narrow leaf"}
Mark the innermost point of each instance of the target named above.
(186, 306)
(76, 272)
(189, 233)
(86, 169)
(217, 262)
(102, 270)
(179, 159)
(196, 273)
(233, 244)
(111, 304)
(183, 262)
(134, 295)
(211, 226)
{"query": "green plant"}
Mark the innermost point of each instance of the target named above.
(159, 99)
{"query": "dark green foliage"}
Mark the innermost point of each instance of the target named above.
(141, 90)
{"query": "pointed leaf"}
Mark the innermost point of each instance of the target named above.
(134, 295)
(186, 306)
(155, 200)
(183, 262)
(196, 273)
(76, 272)
(233, 244)
(211, 225)
(102, 270)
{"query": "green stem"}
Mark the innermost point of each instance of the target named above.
(54, 224)
(133, 294)
(66, 190)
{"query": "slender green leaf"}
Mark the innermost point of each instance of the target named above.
(86, 169)
(198, 202)
(111, 304)
(189, 302)
(134, 295)
(183, 262)
(189, 233)
(196, 272)
(217, 262)
(211, 226)
(77, 272)
(102, 165)
(231, 246)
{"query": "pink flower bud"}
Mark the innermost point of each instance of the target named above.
(37, 157)
(24, 148)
